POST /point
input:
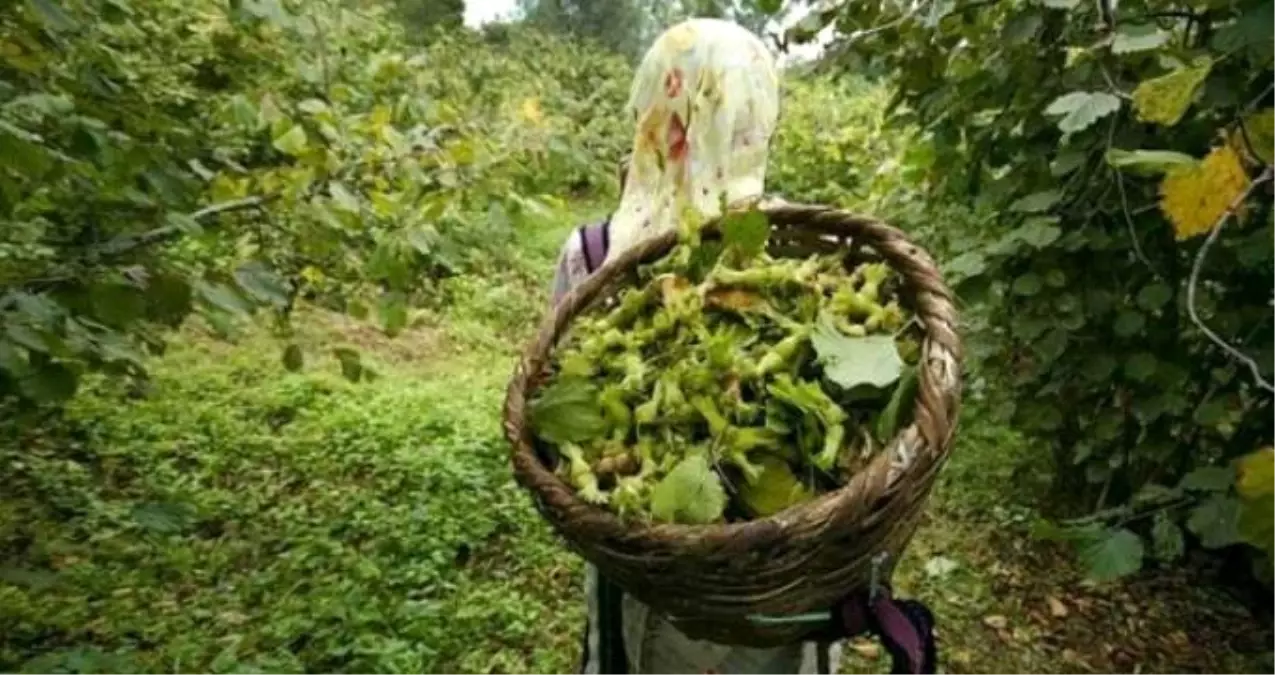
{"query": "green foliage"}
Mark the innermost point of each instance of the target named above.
(690, 493)
(239, 518)
(164, 158)
(421, 17)
(627, 27)
(1084, 133)
(616, 24)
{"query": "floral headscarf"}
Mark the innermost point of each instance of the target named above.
(706, 101)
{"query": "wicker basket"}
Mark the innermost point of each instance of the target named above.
(714, 581)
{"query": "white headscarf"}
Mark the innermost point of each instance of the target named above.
(706, 101)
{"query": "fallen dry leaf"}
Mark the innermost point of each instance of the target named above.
(1057, 608)
(866, 648)
(672, 286)
(995, 621)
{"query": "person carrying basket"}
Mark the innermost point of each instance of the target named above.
(706, 102)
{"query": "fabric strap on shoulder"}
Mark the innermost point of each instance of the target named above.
(594, 241)
(905, 628)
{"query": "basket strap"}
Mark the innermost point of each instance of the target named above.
(905, 627)
(594, 241)
(602, 649)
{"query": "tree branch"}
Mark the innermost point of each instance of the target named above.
(1124, 201)
(1194, 281)
(125, 244)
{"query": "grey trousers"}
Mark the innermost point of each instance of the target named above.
(653, 645)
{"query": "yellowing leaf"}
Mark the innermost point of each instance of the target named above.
(381, 116)
(1195, 198)
(1256, 474)
(312, 275)
(735, 299)
(531, 110)
(1165, 99)
(1260, 128)
(774, 490)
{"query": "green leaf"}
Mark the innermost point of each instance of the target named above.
(568, 411)
(12, 360)
(422, 240)
(393, 311)
(965, 266)
(292, 142)
(1060, 4)
(850, 362)
(351, 363)
(1140, 366)
(1208, 479)
(1098, 367)
(161, 517)
(51, 15)
(1036, 202)
(262, 284)
(1116, 554)
(222, 297)
(343, 198)
(1029, 284)
(899, 409)
(1250, 32)
(1154, 296)
(27, 336)
(1216, 521)
(52, 383)
(1038, 232)
(746, 232)
(770, 6)
(1066, 162)
(1022, 27)
(1129, 323)
(116, 304)
(1210, 414)
(168, 298)
(703, 258)
(1167, 542)
(691, 493)
(1148, 162)
(293, 358)
(1080, 109)
(1137, 38)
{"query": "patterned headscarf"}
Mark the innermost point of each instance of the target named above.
(706, 101)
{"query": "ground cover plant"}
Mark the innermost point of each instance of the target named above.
(265, 268)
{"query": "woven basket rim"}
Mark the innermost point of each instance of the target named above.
(872, 482)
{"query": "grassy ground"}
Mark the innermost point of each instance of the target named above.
(235, 517)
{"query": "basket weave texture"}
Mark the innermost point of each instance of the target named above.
(710, 579)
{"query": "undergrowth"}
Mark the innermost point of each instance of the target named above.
(230, 516)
